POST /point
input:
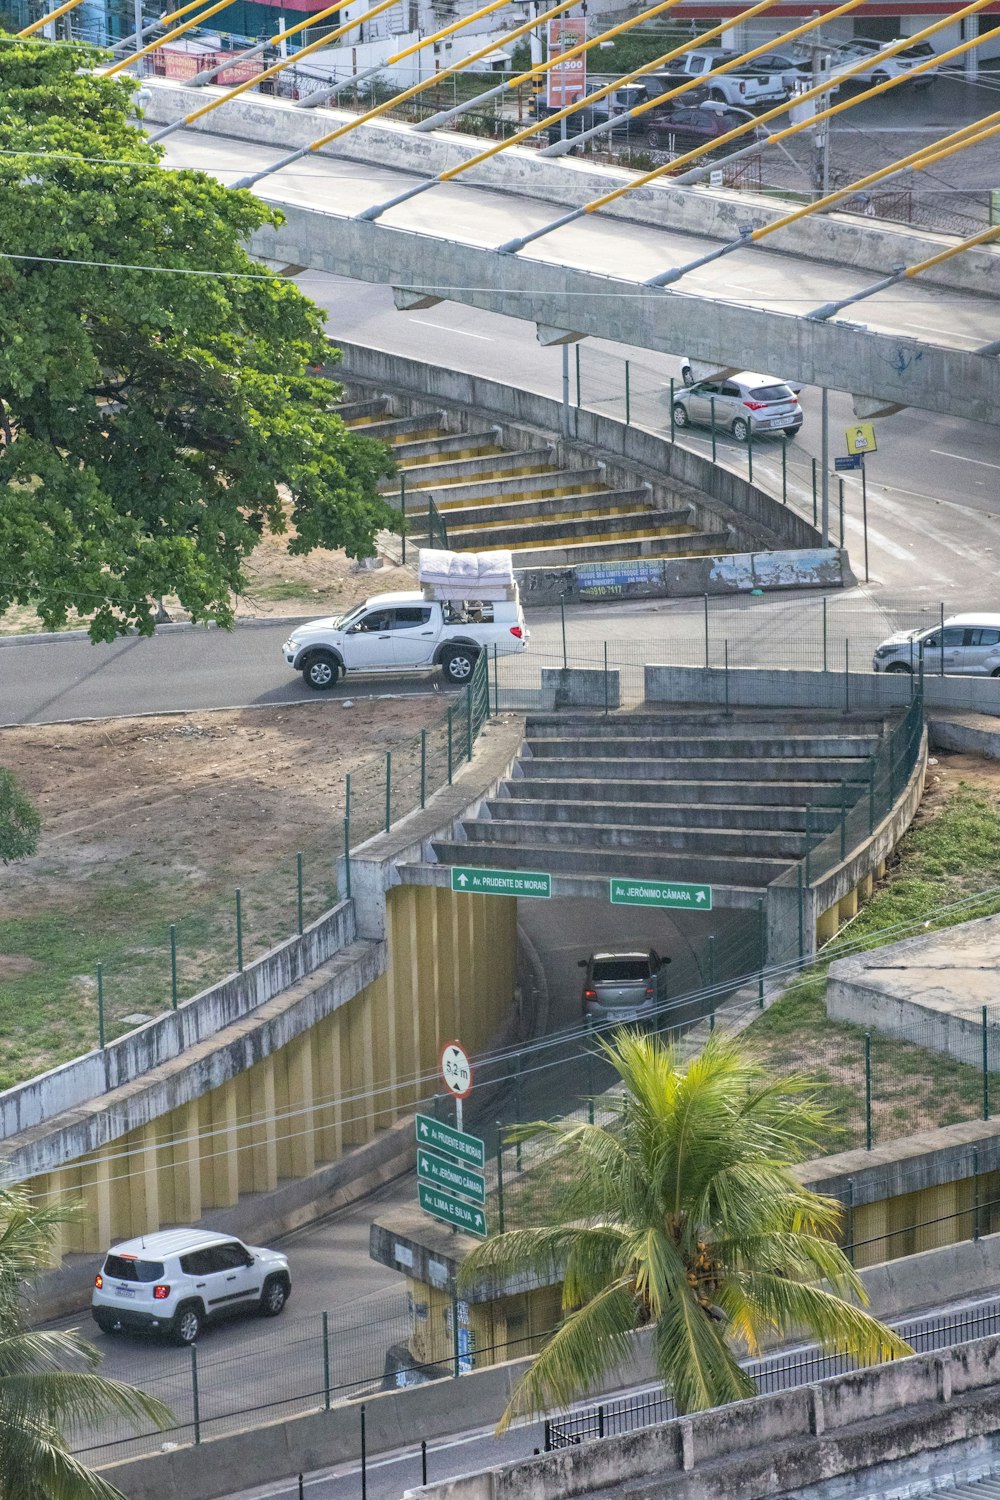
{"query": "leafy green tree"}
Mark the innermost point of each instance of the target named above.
(48, 1380)
(153, 426)
(685, 1215)
(20, 823)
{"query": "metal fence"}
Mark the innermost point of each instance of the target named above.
(775, 1372)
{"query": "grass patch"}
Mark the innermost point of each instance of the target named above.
(950, 854)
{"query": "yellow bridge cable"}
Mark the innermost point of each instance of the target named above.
(133, 57)
(332, 37)
(381, 109)
(671, 168)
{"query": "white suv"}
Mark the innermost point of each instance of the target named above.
(967, 644)
(175, 1281)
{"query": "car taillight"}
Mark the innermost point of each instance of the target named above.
(516, 630)
(98, 1281)
(755, 405)
(161, 1293)
(743, 87)
(590, 994)
(649, 992)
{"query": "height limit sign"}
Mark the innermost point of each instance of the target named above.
(456, 1070)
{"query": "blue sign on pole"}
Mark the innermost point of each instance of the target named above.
(851, 461)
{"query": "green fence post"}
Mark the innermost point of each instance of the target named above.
(705, 597)
(402, 509)
(195, 1404)
(298, 890)
(814, 492)
(423, 768)
(468, 722)
(100, 1008)
(606, 684)
(871, 798)
(750, 453)
(843, 819)
(847, 674)
(975, 1190)
(364, 1456)
(347, 859)
(841, 483)
(824, 634)
(517, 1109)
(784, 472)
(590, 1070)
(628, 397)
(725, 671)
(576, 350)
(802, 925)
(562, 623)
(762, 941)
(496, 681)
(388, 789)
(449, 747)
(711, 971)
(500, 1205)
(326, 1361)
(941, 628)
(868, 1091)
(808, 840)
(456, 1354)
(712, 405)
(850, 1220)
(672, 426)
(173, 966)
(986, 1068)
(347, 795)
(239, 929)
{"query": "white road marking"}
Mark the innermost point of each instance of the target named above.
(462, 333)
(962, 459)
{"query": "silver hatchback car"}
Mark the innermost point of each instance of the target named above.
(622, 985)
(741, 404)
(965, 645)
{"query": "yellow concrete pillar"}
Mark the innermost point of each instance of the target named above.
(880, 870)
(866, 886)
(224, 1173)
(418, 1001)
(826, 926)
(395, 1003)
(49, 1189)
(95, 1190)
(263, 1152)
(300, 1097)
(187, 1164)
(125, 1160)
(333, 1054)
(365, 1030)
(145, 1182)
(847, 906)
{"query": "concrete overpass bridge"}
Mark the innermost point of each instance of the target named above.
(928, 343)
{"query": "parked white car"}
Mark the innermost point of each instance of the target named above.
(177, 1280)
(880, 66)
(966, 645)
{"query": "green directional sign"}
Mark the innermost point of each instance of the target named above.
(451, 1210)
(472, 882)
(441, 1172)
(468, 1148)
(675, 894)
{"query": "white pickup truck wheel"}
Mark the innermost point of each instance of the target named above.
(321, 671)
(459, 663)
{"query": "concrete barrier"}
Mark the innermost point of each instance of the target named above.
(854, 692)
(158, 1041)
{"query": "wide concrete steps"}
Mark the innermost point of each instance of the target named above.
(717, 768)
(429, 424)
(361, 413)
(572, 483)
(712, 869)
(591, 526)
(534, 465)
(695, 814)
(701, 793)
(569, 724)
(548, 508)
(454, 446)
(765, 843)
(634, 544)
(709, 747)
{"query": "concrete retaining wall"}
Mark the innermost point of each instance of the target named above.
(854, 692)
(684, 577)
(157, 1042)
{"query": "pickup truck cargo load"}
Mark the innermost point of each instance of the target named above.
(407, 632)
(744, 87)
(466, 575)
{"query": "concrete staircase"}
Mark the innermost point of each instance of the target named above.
(693, 796)
(503, 487)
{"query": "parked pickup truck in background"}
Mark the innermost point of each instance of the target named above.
(405, 632)
(746, 87)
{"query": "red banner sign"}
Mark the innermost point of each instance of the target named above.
(566, 81)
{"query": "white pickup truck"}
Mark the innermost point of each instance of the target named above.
(405, 632)
(746, 86)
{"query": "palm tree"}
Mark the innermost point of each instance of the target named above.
(48, 1379)
(685, 1215)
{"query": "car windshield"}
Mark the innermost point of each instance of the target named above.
(128, 1268)
(919, 49)
(342, 621)
(773, 393)
(619, 970)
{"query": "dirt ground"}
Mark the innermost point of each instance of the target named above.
(149, 822)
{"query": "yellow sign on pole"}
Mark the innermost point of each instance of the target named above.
(861, 439)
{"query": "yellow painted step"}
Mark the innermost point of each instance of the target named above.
(590, 513)
(559, 544)
(448, 458)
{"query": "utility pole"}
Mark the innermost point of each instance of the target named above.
(821, 133)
